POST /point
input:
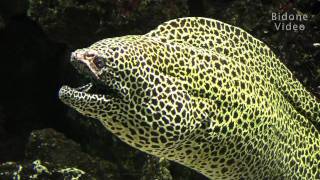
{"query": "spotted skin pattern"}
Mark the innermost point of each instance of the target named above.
(204, 94)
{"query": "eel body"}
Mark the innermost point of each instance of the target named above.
(205, 94)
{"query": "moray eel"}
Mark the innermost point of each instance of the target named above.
(205, 94)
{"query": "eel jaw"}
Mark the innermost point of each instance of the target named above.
(83, 101)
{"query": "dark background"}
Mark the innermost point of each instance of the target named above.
(36, 38)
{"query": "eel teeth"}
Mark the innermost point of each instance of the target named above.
(84, 88)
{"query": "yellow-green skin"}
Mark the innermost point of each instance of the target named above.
(207, 95)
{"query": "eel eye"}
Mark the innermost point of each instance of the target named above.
(99, 62)
(89, 55)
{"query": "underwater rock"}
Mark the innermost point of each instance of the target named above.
(156, 168)
(162, 169)
(79, 23)
(39, 170)
(51, 146)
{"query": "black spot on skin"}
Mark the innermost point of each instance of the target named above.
(161, 103)
(223, 97)
(216, 140)
(132, 131)
(231, 125)
(155, 125)
(213, 166)
(177, 119)
(224, 130)
(251, 116)
(223, 61)
(125, 124)
(244, 35)
(202, 91)
(188, 151)
(128, 72)
(122, 74)
(206, 150)
(168, 108)
(230, 162)
(222, 151)
(216, 129)
(129, 137)
(155, 140)
(161, 130)
(154, 133)
(202, 21)
(154, 146)
(224, 170)
(222, 160)
(235, 115)
(182, 22)
(169, 134)
(227, 28)
(144, 124)
(163, 139)
(174, 24)
(116, 55)
(217, 65)
(154, 101)
(227, 117)
(245, 125)
(160, 89)
(137, 145)
(145, 85)
(149, 118)
(157, 116)
(218, 26)
(252, 124)
(218, 103)
(179, 106)
(175, 138)
(170, 128)
(165, 120)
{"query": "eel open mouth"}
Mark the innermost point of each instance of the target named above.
(71, 95)
(97, 88)
(84, 88)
